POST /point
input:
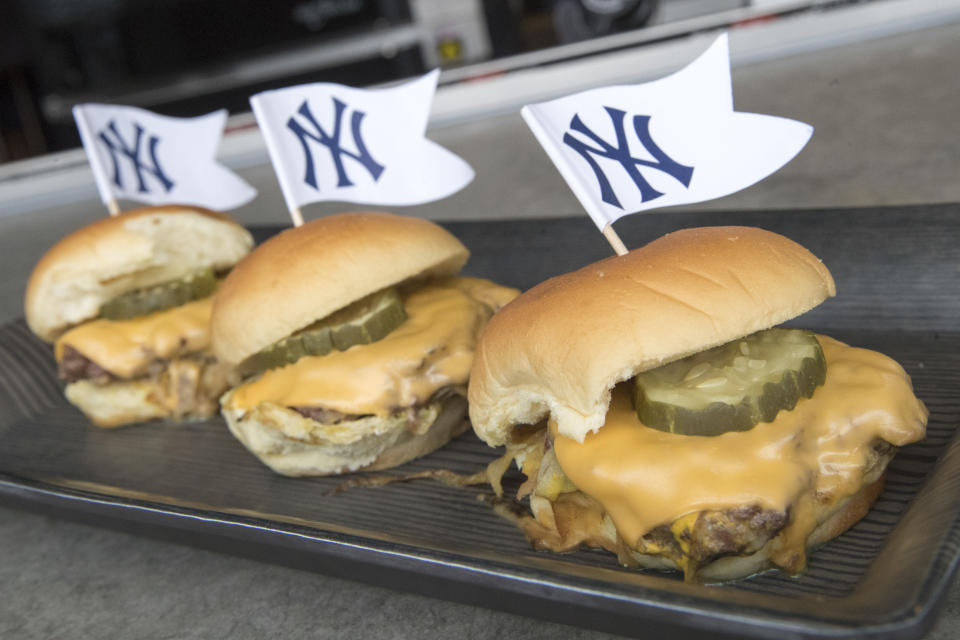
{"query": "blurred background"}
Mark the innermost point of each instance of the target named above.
(187, 57)
(876, 79)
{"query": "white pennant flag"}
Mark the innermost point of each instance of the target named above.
(332, 142)
(140, 155)
(677, 140)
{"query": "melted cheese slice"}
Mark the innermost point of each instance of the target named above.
(645, 478)
(126, 347)
(432, 349)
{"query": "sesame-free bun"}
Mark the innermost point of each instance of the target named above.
(115, 255)
(558, 349)
(308, 272)
(117, 404)
(187, 389)
(293, 445)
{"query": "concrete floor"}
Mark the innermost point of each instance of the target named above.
(884, 114)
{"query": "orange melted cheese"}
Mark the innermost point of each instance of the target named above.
(645, 478)
(126, 347)
(432, 349)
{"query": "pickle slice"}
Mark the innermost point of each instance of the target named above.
(158, 297)
(731, 387)
(366, 320)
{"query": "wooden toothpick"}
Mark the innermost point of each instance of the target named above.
(296, 216)
(113, 208)
(614, 240)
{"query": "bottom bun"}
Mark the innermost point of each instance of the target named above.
(186, 388)
(118, 403)
(294, 445)
(834, 520)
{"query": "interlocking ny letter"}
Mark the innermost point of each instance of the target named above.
(117, 146)
(621, 154)
(332, 143)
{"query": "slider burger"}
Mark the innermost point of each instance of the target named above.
(127, 301)
(658, 413)
(357, 339)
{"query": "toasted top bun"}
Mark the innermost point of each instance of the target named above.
(559, 348)
(307, 273)
(115, 255)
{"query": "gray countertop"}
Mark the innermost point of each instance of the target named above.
(884, 114)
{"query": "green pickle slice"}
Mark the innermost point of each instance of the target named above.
(364, 321)
(731, 387)
(158, 297)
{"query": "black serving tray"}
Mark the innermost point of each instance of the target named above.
(899, 292)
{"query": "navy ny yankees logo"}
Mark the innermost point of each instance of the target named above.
(119, 149)
(621, 153)
(332, 143)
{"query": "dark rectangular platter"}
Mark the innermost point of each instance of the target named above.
(898, 278)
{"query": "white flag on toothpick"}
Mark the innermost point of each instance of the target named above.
(139, 155)
(677, 140)
(332, 142)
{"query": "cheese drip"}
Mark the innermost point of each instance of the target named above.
(126, 347)
(432, 349)
(645, 478)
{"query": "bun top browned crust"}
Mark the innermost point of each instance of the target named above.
(119, 254)
(559, 349)
(307, 273)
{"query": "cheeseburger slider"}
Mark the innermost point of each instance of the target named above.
(127, 301)
(670, 422)
(357, 339)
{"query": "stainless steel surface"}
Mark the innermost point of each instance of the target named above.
(884, 113)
